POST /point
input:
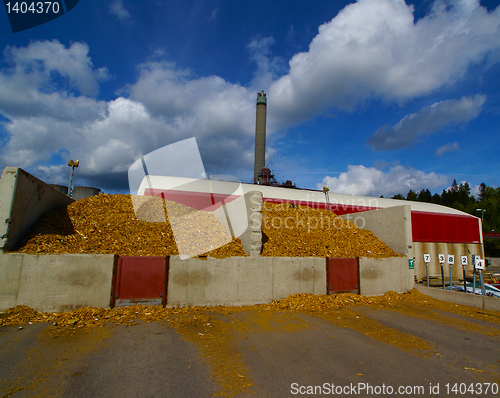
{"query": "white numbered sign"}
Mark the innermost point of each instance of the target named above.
(441, 258)
(451, 259)
(464, 260)
(480, 264)
(427, 258)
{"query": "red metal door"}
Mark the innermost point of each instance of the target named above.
(141, 280)
(342, 275)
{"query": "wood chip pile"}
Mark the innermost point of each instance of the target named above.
(300, 231)
(107, 224)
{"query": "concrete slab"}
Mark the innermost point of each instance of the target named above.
(379, 275)
(222, 283)
(462, 298)
(10, 272)
(56, 283)
(391, 225)
(242, 280)
(23, 199)
(491, 303)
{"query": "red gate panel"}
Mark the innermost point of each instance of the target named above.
(140, 278)
(343, 275)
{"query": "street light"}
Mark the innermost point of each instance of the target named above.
(71, 164)
(482, 214)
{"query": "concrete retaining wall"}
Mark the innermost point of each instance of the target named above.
(391, 225)
(242, 280)
(471, 300)
(378, 276)
(251, 238)
(23, 199)
(55, 283)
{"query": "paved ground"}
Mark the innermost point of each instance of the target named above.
(261, 352)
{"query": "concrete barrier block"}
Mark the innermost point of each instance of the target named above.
(255, 221)
(491, 303)
(177, 282)
(242, 280)
(471, 300)
(387, 226)
(222, 282)
(55, 283)
(251, 239)
(10, 271)
(319, 276)
(256, 237)
(306, 277)
(380, 275)
(23, 199)
(286, 278)
(196, 280)
(255, 281)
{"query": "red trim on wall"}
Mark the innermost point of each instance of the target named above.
(439, 227)
(337, 208)
(205, 201)
(426, 226)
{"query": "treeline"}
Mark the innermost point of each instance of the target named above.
(459, 197)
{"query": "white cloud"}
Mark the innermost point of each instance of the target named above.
(269, 67)
(117, 8)
(449, 147)
(165, 105)
(374, 49)
(34, 66)
(474, 190)
(427, 121)
(55, 174)
(370, 181)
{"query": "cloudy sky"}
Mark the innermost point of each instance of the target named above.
(374, 97)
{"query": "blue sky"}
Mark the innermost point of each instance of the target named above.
(374, 97)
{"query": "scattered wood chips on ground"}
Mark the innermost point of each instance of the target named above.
(322, 304)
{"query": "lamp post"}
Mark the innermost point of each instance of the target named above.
(71, 164)
(482, 215)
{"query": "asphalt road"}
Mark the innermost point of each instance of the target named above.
(259, 352)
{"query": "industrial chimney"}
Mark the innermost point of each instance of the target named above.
(260, 136)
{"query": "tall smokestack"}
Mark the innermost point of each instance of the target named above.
(260, 135)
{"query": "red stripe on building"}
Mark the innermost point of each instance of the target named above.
(449, 228)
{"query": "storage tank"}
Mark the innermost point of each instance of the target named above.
(85, 192)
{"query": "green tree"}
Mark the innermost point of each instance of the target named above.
(411, 196)
(424, 196)
(436, 198)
